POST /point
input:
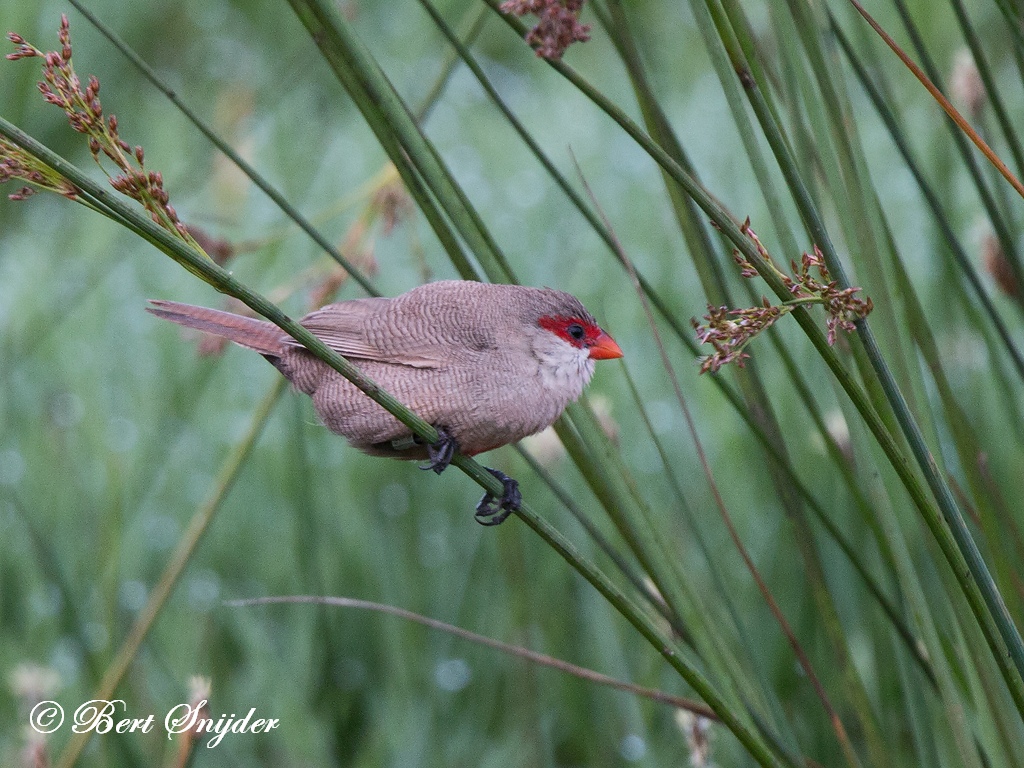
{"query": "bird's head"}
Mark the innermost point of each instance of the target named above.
(566, 342)
(582, 332)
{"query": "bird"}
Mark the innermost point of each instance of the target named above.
(486, 364)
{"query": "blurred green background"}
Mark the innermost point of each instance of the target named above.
(113, 429)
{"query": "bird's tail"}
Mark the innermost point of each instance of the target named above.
(248, 332)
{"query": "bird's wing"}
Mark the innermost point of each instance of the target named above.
(343, 327)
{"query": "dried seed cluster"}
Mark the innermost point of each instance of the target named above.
(17, 164)
(729, 331)
(558, 26)
(62, 87)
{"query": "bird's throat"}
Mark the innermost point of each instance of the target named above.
(565, 371)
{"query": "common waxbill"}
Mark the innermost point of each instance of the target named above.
(485, 364)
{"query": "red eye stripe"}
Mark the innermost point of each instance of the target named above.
(577, 332)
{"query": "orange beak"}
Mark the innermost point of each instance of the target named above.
(605, 348)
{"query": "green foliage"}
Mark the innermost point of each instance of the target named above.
(778, 568)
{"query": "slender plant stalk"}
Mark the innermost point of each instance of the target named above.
(940, 216)
(816, 150)
(950, 530)
(961, 131)
(958, 547)
(361, 75)
(224, 282)
(172, 572)
(769, 598)
(977, 48)
(940, 511)
(279, 200)
(518, 651)
(947, 107)
(363, 78)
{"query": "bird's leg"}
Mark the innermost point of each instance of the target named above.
(491, 511)
(442, 452)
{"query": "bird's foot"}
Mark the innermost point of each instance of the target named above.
(491, 511)
(442, 452)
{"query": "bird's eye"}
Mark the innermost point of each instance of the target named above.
(576, 331)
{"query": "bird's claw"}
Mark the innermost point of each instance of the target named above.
(441, 452)
(491, 511)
